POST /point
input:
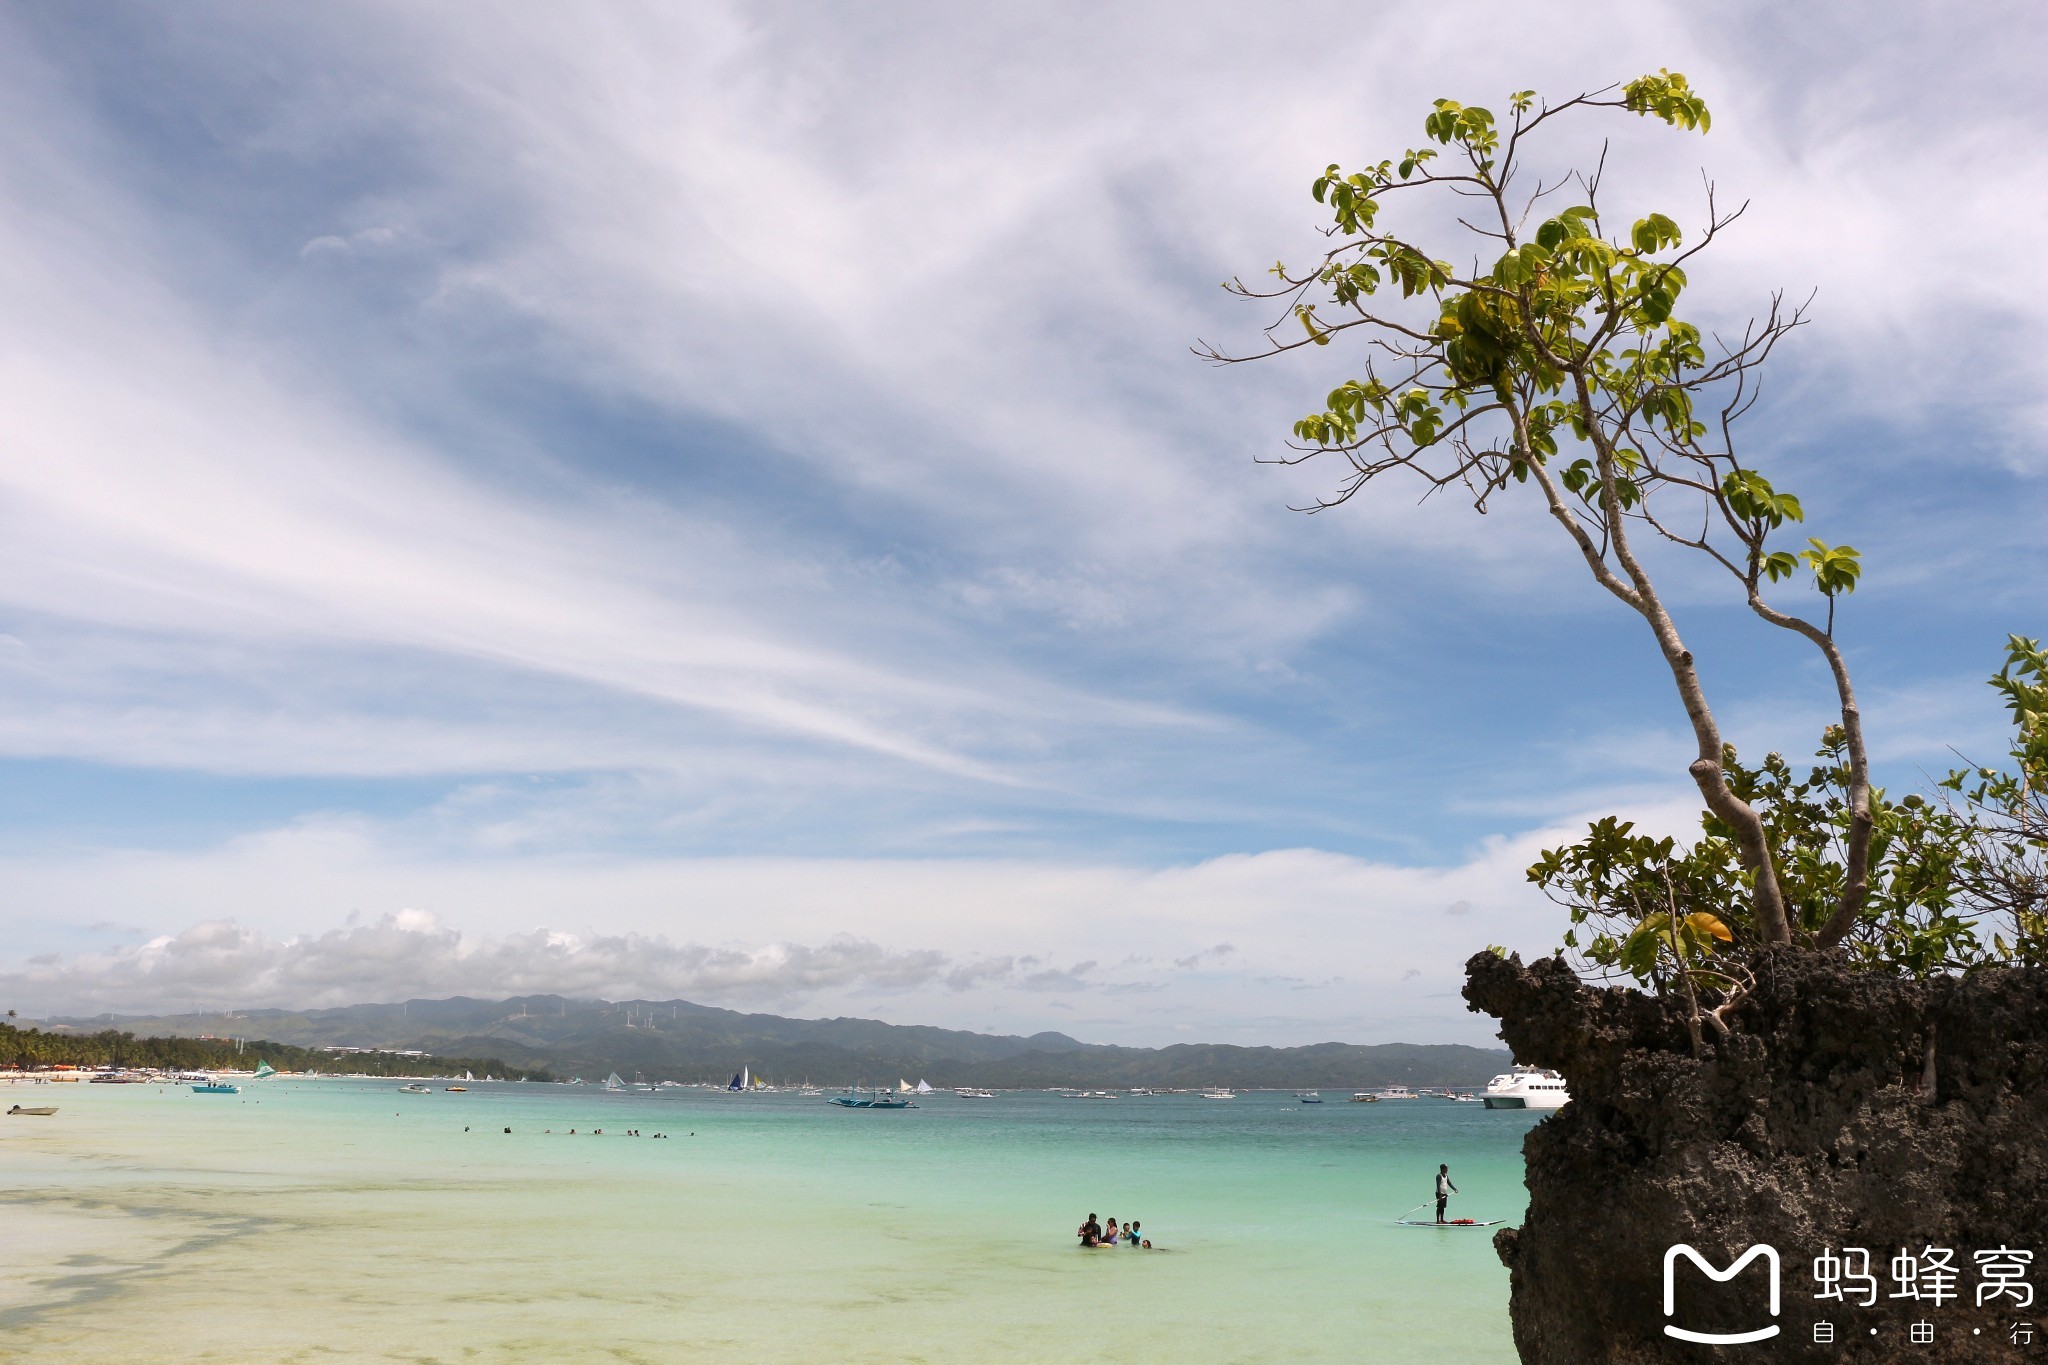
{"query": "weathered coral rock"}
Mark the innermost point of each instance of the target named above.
(1808, 1131)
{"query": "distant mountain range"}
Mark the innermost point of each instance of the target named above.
(658, 1040)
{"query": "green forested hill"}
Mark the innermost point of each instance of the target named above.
(681, 1041)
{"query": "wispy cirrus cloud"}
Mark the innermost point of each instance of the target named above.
(624, 432)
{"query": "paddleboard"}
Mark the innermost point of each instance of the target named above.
(1452, 1223)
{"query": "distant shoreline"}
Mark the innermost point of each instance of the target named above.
(655, 1041)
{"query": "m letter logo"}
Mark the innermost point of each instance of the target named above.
(1769, 1254)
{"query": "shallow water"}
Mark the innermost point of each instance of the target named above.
(340, 1220)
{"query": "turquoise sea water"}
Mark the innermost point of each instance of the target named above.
(340, 1220)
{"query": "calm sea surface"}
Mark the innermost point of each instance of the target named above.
(322, 1220)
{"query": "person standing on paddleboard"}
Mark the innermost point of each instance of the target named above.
(1444, 1190)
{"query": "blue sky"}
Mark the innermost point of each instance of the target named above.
(720, 503)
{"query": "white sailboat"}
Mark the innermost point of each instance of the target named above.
(612, 1082)
(922, 1088)
(903, 1087)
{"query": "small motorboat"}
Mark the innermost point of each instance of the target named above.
(415, 1088)
(456, 1089)
(1310, 1097)
(39, 1111)
(1218, 1095)
(216, 1088)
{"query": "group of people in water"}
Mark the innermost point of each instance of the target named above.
(1108, 1234)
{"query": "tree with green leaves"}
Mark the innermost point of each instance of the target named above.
(2003, 810)
(31, 1049)
(1556, 366)
(1957, 883)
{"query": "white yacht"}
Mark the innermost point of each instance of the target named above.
(1527, 1087)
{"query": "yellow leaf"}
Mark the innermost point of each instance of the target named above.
(1703, 923)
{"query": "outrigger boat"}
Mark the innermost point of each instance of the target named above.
(881, 1099)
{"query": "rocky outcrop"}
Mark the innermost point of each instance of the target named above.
(1809, 1130)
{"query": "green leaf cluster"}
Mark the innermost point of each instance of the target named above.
(1622, 888)
(1667, 96)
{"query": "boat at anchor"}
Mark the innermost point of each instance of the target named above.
(1527, 1087)
(880, 1099)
